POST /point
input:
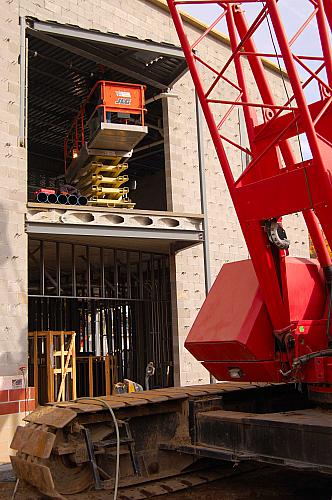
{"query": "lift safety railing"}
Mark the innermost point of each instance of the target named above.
(275, 182)
(107, 102)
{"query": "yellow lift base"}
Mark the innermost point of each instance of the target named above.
(102, 181)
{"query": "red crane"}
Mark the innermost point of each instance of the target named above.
(269, 318)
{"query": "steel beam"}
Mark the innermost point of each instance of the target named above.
(23, 83)
(108, 38)
(96, 58)
(114, 232)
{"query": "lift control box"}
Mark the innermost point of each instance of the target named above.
(124, 97)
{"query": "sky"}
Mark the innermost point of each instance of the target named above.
(293, 13)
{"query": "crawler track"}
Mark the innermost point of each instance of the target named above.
(155, 427)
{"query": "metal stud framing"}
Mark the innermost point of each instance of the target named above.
(117, 301)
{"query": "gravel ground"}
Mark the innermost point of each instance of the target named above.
(269, 483)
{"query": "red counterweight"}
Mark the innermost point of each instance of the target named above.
(268, 319)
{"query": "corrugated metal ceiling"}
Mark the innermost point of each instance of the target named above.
(65, 61)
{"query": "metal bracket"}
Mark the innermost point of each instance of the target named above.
(92, 459)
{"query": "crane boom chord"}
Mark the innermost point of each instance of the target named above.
(291, 294)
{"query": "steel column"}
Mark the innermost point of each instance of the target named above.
(23, 83)
(203, 197)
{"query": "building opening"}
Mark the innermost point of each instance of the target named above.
(99, 302)
(63, 68)
(117, 302)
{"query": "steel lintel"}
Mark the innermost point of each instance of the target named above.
(125, 232)
(56, 29)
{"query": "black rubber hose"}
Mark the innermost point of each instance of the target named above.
(311, 355)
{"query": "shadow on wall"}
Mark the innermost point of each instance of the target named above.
(13, 292)
(14, 324)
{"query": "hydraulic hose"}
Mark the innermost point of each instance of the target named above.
(117, 466)
(307, 357)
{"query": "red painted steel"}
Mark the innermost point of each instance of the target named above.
(246, 322)
(234, 316)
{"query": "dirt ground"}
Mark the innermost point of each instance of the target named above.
(270, 483)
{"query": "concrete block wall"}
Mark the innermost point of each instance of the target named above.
(8, 425)
(142, 19)
(13, 240)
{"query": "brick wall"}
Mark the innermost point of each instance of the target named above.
(15, 403)
(144, 20)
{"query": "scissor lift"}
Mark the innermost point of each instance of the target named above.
(101, 139)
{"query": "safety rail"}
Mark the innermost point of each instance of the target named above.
(108, 102)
